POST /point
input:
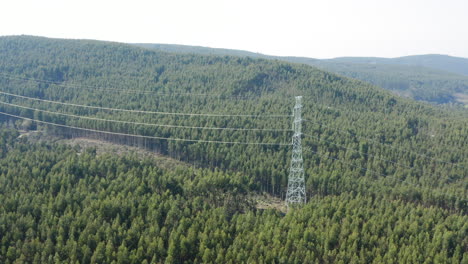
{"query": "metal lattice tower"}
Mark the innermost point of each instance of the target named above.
(296, 184)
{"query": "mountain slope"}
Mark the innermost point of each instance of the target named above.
(432, 78)
(73, 207)
(200, 50)
(435, 61)
(82, 72)
(385, 176)
(419, 83)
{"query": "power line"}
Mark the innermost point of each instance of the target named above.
(439, 132)
(347, 163)
(375, 172)
(369, 155)
(129, 91)
(148, 124)
(386, 110)
(366, 154)
(390, 146)
(148, 137)
(142, 111)
(364, 169)
(386, 113)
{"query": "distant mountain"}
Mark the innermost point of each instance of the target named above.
(433, 78)
(417, 82)
(435, 61)
(173, 48)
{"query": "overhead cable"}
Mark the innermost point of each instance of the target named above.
(147, 124)
(387, 145)
(362, 168)
(357, 151)
(143, 111)
(148, 137)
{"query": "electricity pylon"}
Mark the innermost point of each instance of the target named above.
(295, 194)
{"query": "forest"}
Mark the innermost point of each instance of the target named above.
(417, 82)
(385, 175)
(437, 79)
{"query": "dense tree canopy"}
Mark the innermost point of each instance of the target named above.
(432, 78)
(60, 204)
(415, 82)
(386, 176)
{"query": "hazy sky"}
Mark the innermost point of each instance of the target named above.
(312, 28)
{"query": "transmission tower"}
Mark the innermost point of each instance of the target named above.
(296, 184)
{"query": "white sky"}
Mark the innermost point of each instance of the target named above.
(311, 28)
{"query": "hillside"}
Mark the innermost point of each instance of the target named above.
(386, 176)
(173, 48)
(432, 78)
(419, 83)
(434, 61)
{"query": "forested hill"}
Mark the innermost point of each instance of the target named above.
(435, 61)
(444, 63)
(385, 176)
(433, 78)
(173, 48)
(346, 119)
(417, 82)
